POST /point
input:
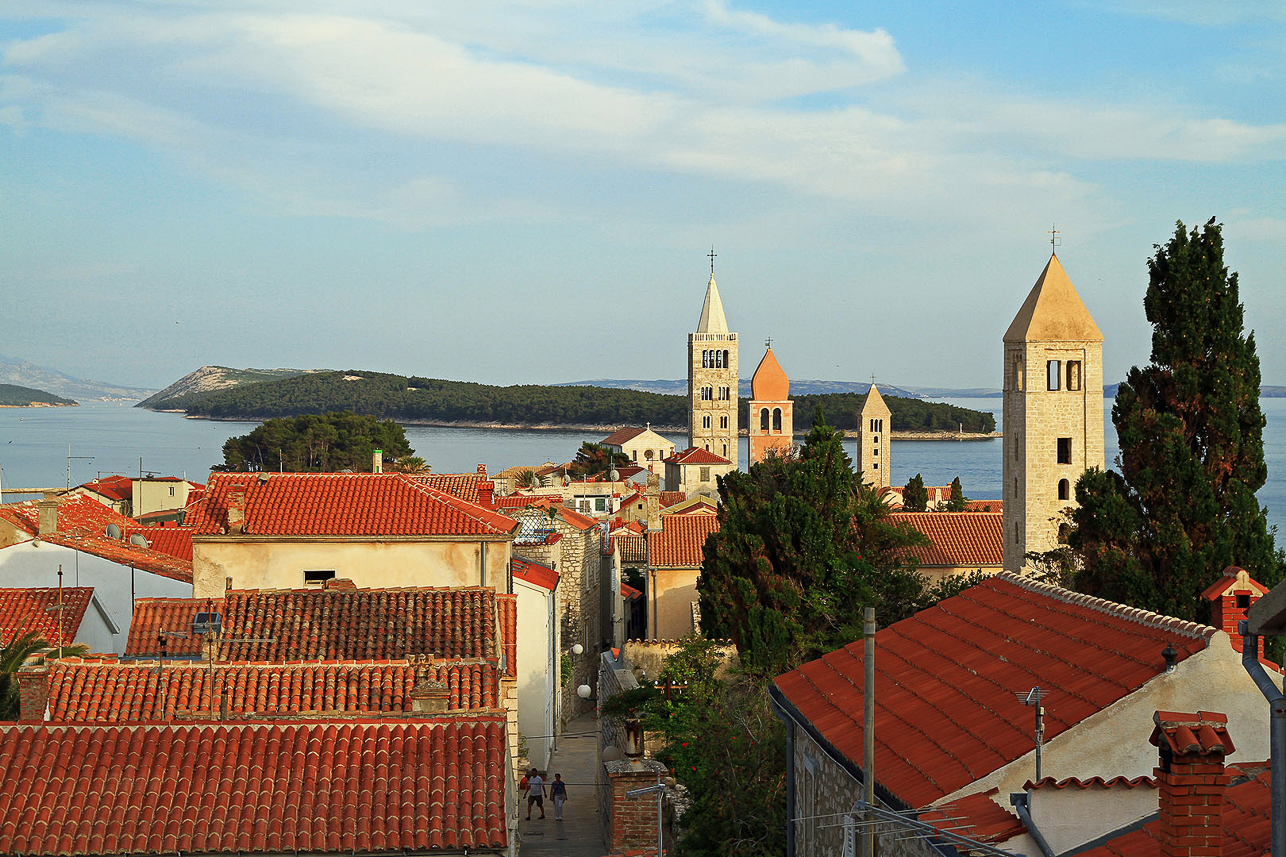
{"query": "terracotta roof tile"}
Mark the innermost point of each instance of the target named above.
(535, 573)
(945, 711)
(621, 436)
(462, 485)
(633, 547)
(1203, 734)
(507, 607)
(696, 455)
(522, 501)
(24, 610)
(172, 615)
(576, 519)
(681, 541)
(102, 691)
(977, 816)
(327, 788)
(173, 541)
(974, 539)
(669, 498)
(1092, 782)
(348, 504)
(112, 487)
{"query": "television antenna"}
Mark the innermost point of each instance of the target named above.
(1034, 697)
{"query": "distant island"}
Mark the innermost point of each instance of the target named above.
(13, 396)
(224, 394)
(23, 373)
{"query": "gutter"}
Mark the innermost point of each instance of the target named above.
(1277, 720)
(1022, 806)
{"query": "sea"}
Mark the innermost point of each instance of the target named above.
(45, 448)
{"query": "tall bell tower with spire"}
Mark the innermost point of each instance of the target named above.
(713, 379)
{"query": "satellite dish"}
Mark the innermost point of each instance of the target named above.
(113, 531)
(614, 475)
(138, 541)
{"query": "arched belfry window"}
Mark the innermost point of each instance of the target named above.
(776, 420)
(1064, 489)
(726, 362)
(718, 360)
(763, 419)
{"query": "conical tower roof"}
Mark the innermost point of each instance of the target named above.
(769, 383)
(712, 318)
(1053, 311)
(875, 403)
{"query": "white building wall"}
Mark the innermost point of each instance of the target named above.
(538, 669)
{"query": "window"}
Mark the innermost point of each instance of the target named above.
(1015, 532)
(726, 362)
(707, 394)
(718, 360)
(1018, 374)
(600, 504)
(647, 454)
(875, 465)
(1064, 489)
(776, 420)
(725, 450)
(763, 419)
(705, 359)
(171, 490)
(724, 394)
(227, 584)
(318, 577)
(634, 455)
(705, 474)
(1015, 486)
(723, 422)
(1064, 530)
(705, 422)
(1064, 450)
(1073, 374)
(1053, 372)
(1243, 600)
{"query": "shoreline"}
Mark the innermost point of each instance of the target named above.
(608, 429)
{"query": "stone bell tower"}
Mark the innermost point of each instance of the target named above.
(772, 418)
(712, 379)
(874, 447)
(1053, 413)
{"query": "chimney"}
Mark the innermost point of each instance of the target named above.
(46, 515)
(236, 512)
(1191, 781)
(486, 493)
(1230, 597)
(33, 694)
(377, 461)
(429, 697)
(340, 584)
(482, 470)
(652, 501)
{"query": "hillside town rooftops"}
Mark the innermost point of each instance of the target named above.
(534, 573)
(681, 541)
(45, 611)
(956, 539)
(696, 455)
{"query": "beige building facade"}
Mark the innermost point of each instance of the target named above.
(713, 380)
(1053, 413)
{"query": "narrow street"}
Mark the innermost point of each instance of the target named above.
(578, 834)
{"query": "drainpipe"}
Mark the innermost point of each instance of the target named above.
(1021, 806)
(1277, 714)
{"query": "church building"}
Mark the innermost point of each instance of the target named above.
(874, 444)
(1053, 413)
(772, 417)
(713, 380)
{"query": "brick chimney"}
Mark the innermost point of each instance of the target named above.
(1191, 781)
(486, 493)
(33, 694)
(236, 512)
(377, 461)
(46, 515)
(631, 821)
(1230, 597)
(430, 697)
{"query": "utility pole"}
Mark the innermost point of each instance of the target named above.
(868, 732)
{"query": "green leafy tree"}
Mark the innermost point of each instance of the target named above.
(915, 498)
(958, 498)
(803, 545)
(1183, 505)
(316, 443)
(594, 459)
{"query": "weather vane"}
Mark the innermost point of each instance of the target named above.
(1054, 240)
(711, 254)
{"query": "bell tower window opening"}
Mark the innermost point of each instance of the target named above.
(1018, 374)
(705, 422)
(1073, 374)
(776, 420)
(723, 422)
(1064, 489)
(1053, 372)
(1064, 450)
(718, 360)
(707, 394)
(726, 361)
(763, 419)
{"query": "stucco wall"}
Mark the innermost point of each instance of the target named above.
(1069, 817)
(281, 564)
(537, 670)
(675, 590)
(29, 565)
(153, 496)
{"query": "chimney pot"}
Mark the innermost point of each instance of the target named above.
(1192, 750)
(236, 512)
(46, 515)
(486, 493)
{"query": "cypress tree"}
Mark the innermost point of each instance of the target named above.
(1183, 506)
(958, 499)
(915, 497)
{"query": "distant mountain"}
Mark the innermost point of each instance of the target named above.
(207, 379)
(13, 396)
(800, 387)
(25, 374)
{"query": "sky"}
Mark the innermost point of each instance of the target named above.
(525, 191)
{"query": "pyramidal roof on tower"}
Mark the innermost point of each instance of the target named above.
(769, 383)
(875, 402)
(712, 318)
(1053, 311)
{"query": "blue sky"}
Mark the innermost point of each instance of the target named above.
(516, 192)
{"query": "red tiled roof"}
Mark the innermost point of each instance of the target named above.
(696, 455)
(344, 787)
(946, 713)
(119, 692)
(24, 610)
(174, 541)
(629, 593)
(1097, 782)
(462, 485)
(522, 501)
(341, 504)
(669, 498)
(576, 519)
(681, 541)
(1247, 824)
(172, 615)
(112, 487)
(973, 539)
(535, 573)
(82, 526)
(633, 548)
(507, 608)
(621, 436)
(1202, 734)
(977, 816)
(984, 505)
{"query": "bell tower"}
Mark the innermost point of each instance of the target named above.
(712, 379)
(772, 418)
(874, 447)
(1053, 413)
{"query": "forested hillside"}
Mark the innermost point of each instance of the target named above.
(430, 400)
(14, 396)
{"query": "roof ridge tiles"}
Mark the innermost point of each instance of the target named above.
(1196, 630)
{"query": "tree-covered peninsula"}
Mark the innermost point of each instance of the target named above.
(14, 396)
(426, 400)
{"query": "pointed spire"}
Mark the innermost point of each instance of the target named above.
(875, 403)
(1053, 311)
(712, 318)
(769, 383)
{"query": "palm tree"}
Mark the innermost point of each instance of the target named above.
(14, 654)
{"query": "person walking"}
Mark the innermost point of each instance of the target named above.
(558, 794)
(535, 792)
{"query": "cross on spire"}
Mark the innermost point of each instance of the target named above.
(711, 254)
(768, 342)
(1054, 240)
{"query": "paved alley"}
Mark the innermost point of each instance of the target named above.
(578, 834)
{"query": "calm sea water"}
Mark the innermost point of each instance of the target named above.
(106, 439)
